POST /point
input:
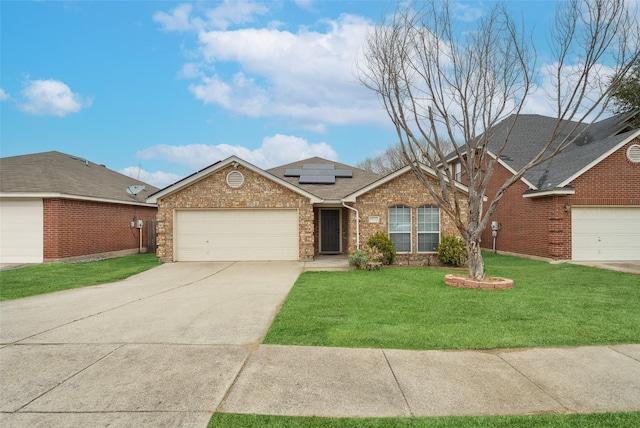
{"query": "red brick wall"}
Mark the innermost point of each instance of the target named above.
(542, 226)
(74, 228)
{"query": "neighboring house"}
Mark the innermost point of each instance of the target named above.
(233, 210)
(583, 205)
(57, 207)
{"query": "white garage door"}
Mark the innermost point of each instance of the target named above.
(605, 233)
(236, 234)
(21, 231)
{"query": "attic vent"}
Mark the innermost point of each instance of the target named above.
(633, 153)
(235, 179)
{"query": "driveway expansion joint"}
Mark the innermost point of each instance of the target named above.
(404, 396)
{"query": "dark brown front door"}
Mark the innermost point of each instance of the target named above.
(329, 231)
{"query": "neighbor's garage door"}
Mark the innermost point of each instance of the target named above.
(605, 233)
(21, 231)
(236, 234)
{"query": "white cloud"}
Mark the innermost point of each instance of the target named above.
(465, 11)
(304, 4)
(3, 95)
(234, 12)
(543, 100)
(306, 76)
(274, 151)
(229, 12)
(51, 98)
(159, 179)
(178, 20)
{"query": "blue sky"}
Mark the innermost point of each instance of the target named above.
(171, 87)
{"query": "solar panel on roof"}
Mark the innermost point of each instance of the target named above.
(311, 173)
(343, 173)
(292, 172)
(317, 179)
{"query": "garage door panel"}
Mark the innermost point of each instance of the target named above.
(605, 233)
(230, 235)
(21, 231)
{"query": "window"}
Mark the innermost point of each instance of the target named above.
(457, 171)
(400, 228)
(428, 229)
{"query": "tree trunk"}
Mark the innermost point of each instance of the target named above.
(476, 263)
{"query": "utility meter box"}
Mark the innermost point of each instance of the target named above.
(495, 226)
(139, 224)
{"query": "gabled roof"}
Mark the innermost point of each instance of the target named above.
(203, 173)
(531, 132)
(55, 174)
(335, 192)
(429, 171)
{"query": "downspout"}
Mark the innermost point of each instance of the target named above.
(357, 223)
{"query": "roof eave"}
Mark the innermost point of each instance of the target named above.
(558, 191)
(353, 196)
(179, 185)
(51, 195)
(624, 142)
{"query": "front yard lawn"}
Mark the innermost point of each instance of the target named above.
(412, 308)
(618, 420)
(49, 277)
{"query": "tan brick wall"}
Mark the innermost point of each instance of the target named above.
(213, 192)
(403, 190)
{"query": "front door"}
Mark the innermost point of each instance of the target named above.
(330, 231)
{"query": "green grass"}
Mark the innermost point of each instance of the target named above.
(618, 420)
(50, 277)
(412, 308)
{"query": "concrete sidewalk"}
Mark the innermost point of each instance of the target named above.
(173, 345)
(339, 382)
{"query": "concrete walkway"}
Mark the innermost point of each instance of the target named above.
(173, 345)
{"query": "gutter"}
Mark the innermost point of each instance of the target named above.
(558, 191)
(52, 195)
(357, 223)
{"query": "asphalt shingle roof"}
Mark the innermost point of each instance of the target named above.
(342, 187)
(531, 132)
(55, 172)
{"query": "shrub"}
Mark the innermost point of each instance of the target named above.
(374, 255)
(384, 244)
(452, 251)
(358, 259)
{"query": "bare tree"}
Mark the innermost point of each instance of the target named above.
(440, 82)
(385, 163)
(391, 159)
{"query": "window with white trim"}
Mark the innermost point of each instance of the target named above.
(400, 228)
(428, 229)
(456, 171)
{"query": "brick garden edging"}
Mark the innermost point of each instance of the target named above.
(488, 284)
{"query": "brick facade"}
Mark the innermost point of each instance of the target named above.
(542, 226)
(259, 192)
(76, 228)
(405, 190)
(213, 192)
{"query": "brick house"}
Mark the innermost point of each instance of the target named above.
(58, 207)
(233, 210)
(583, 205)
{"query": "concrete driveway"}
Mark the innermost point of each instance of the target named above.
(158, 349)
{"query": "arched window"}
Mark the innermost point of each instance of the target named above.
(400, 228)
(428, 229)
